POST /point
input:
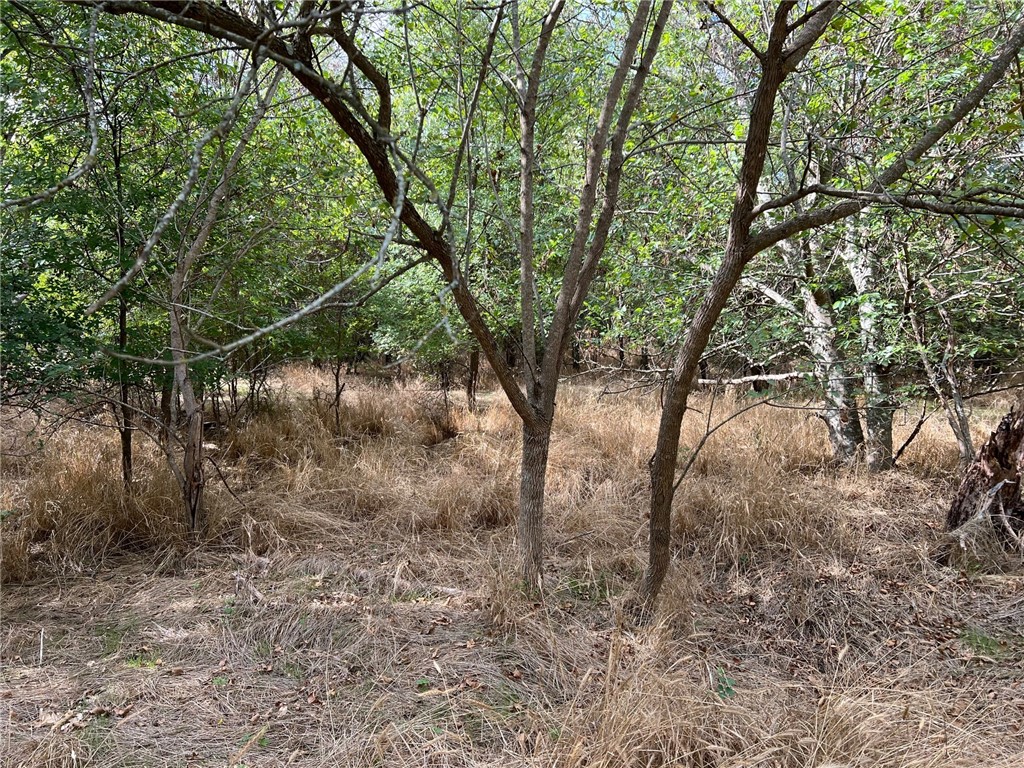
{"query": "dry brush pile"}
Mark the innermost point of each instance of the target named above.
(354, 602)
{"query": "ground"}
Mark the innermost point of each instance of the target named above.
(354, 603)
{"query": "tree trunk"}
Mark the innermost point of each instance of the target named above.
(946, 382)
(339, 387)
(879, 405)
(840, 411)
(992, 484)
(663, 469)
(878, 414)
(194, 476)
(192, 480)
(126, 427)
(776, 64)
(166, 398)
(472, 378)
(830, 367)
(536, 443)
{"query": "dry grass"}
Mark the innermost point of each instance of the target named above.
(71, 510)
(356, 604)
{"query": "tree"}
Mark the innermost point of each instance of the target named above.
(788, 44)
(294, 40)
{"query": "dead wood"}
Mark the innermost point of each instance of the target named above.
(991, 487)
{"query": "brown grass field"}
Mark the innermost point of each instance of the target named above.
(354, 602)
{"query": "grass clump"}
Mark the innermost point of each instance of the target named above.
(74, 510)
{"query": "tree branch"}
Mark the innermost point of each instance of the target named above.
(822, 216)
(735, 30)
(90, 158)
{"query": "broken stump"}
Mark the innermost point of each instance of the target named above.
(991, 488)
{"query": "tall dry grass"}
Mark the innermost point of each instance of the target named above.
(409, 460)
(356, 603)
(70, 510)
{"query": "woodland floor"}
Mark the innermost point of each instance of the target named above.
(355, 604)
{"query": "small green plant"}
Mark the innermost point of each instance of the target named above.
(423, 683)
(591, 587)
(97, 733)
(264, 649)
(220, 680)
(412, 595)
(724, 684)
(980, 643)
(144, 658)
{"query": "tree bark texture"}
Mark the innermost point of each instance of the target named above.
(879, 406)
(992, 483)
(536, 443)
(840, 411)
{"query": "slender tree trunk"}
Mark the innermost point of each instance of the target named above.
(663, 470)
(776, 64)
(840, 409)
(192, 478)
(605, 158)
(942, 377)
(879, 405)
(166, 398)
(956, 410)
(536, 443)
(472, 378)
(126, 427)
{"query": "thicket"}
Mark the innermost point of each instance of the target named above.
(196, 194)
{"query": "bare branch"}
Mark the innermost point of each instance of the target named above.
(814, 23)
(616, 162)
(481, 78)
(527, 88)
(822, 216)
(356, 56)
(918, 202)
(733, 28)
(575, 275)
(220, 130)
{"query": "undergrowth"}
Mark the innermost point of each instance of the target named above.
(354, 600)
